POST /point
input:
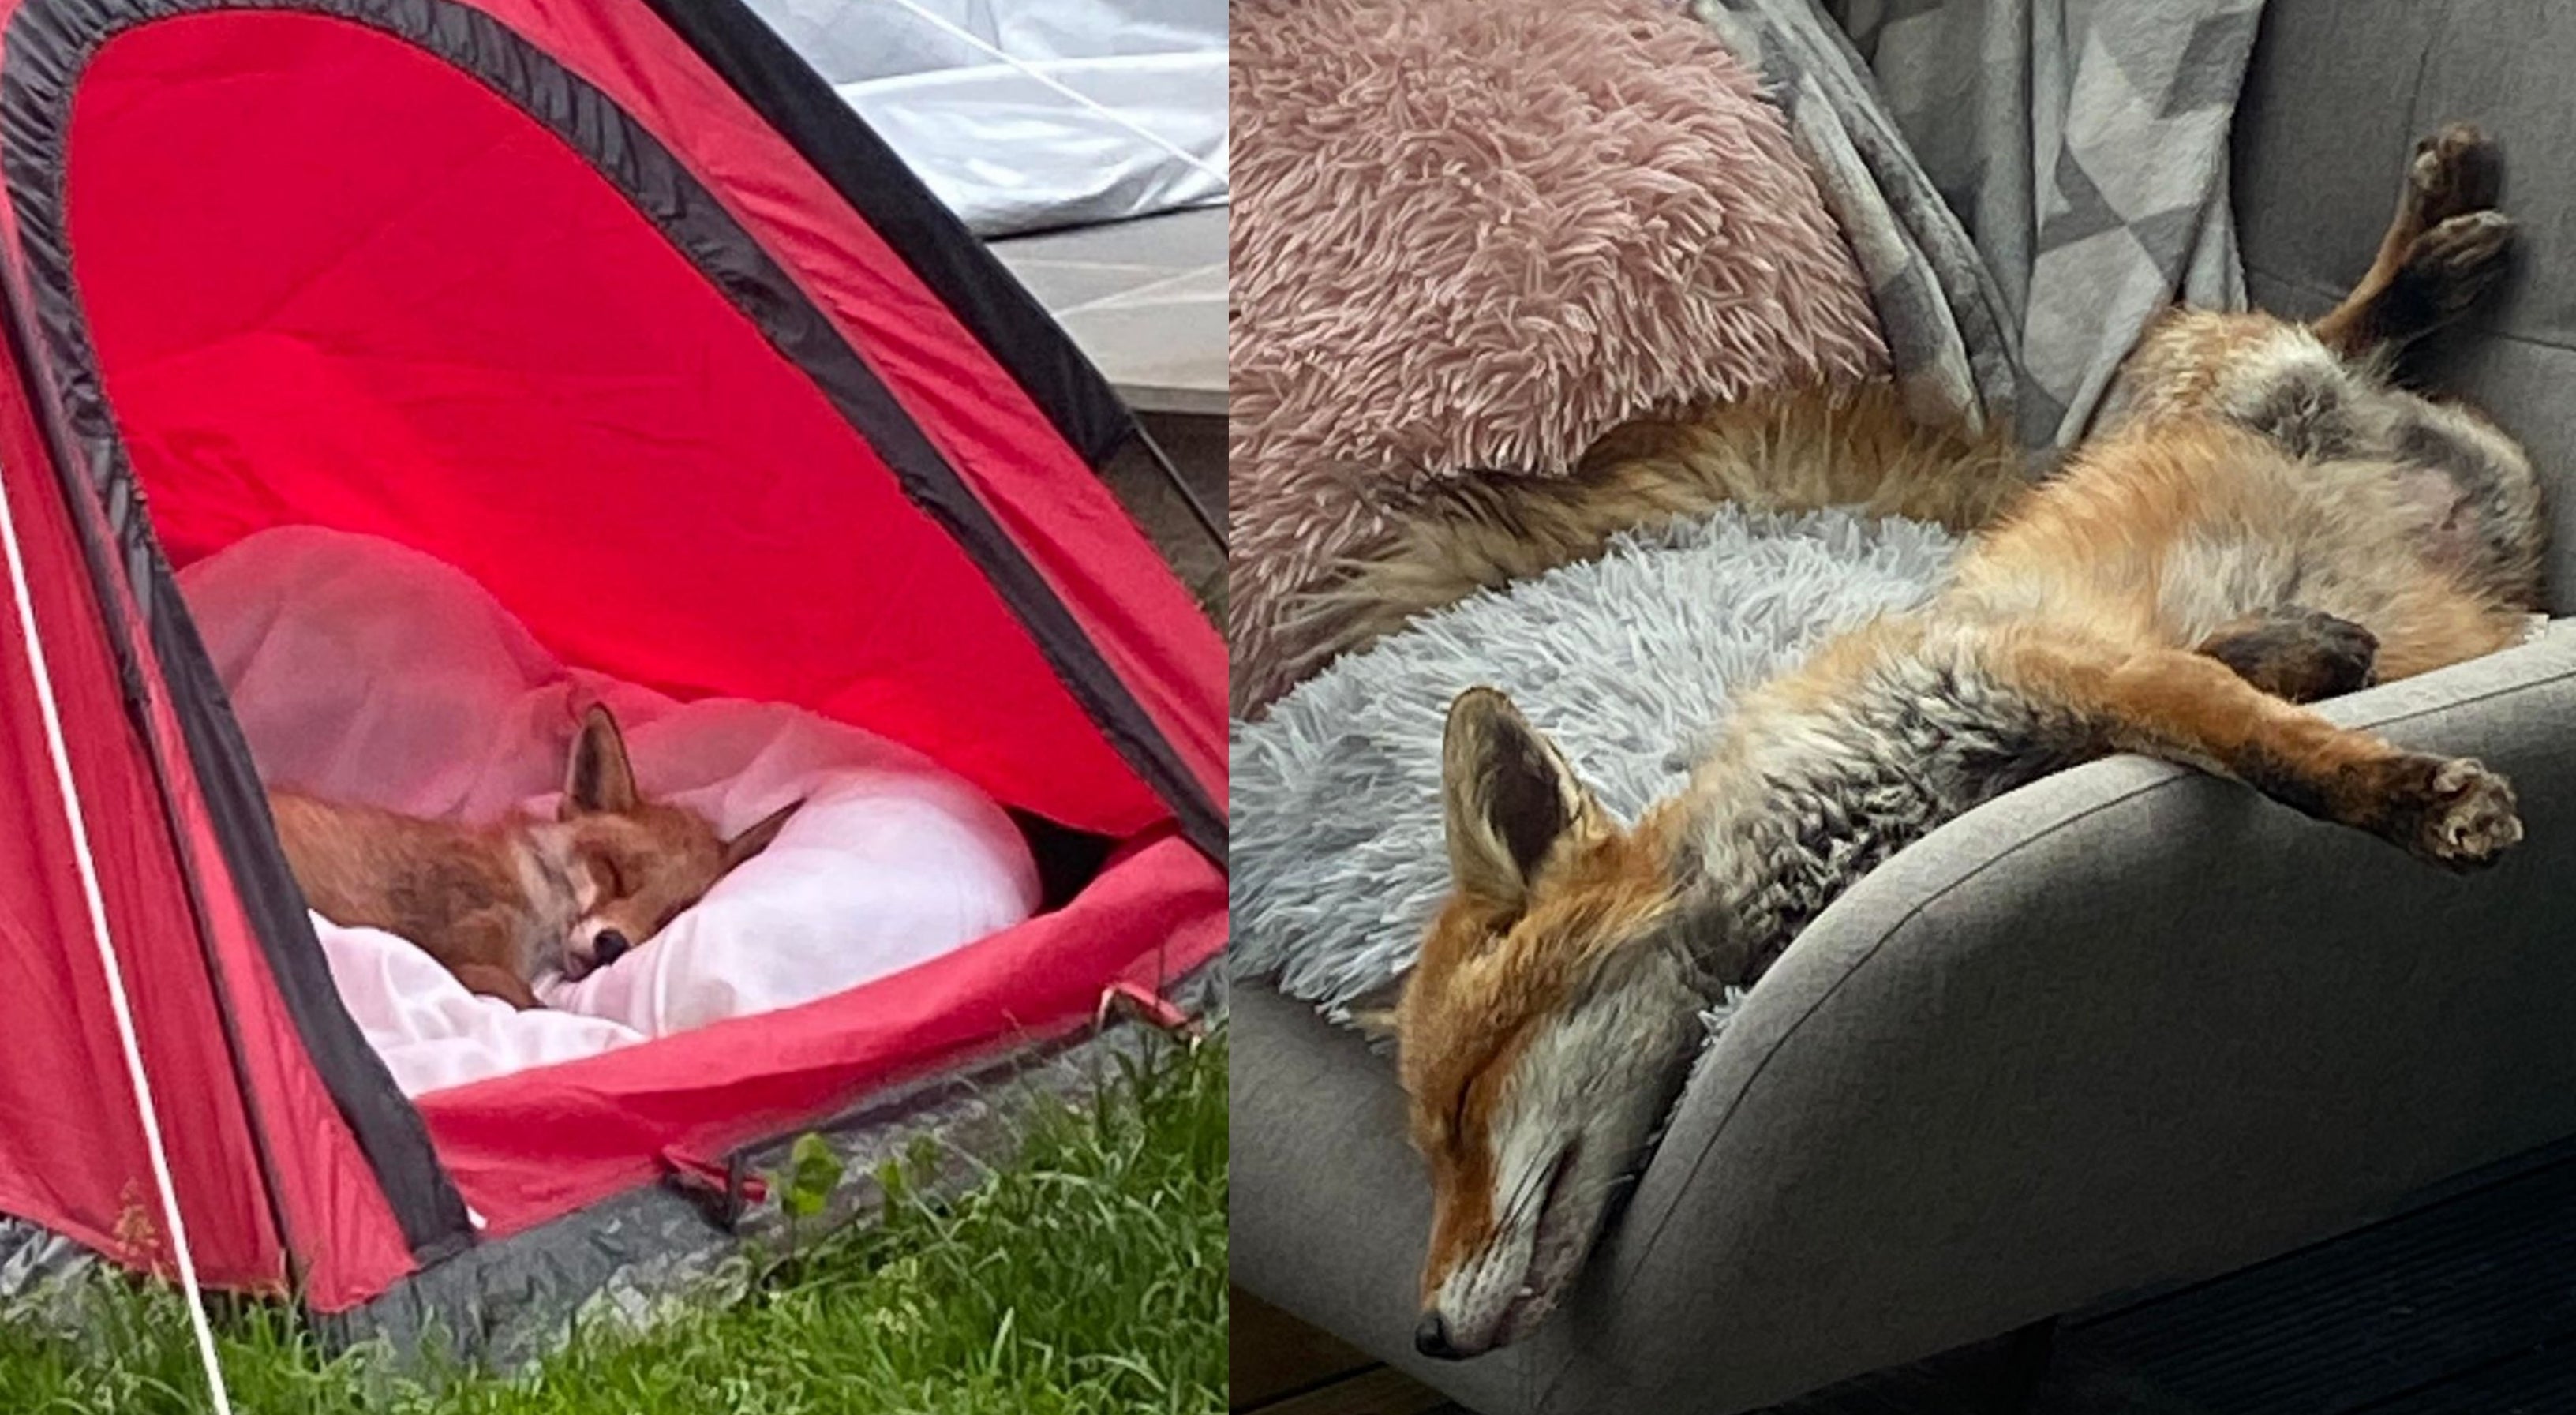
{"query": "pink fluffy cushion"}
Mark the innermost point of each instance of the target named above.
(1477, 234)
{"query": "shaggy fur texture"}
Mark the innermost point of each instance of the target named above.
(1628, 660)
(1473, 235)
(1804, 450)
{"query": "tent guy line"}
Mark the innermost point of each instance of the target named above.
(75, 822)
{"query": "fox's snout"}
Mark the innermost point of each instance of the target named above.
(633, 864)
(586, 955)
(1431, 1338)
(594, 944)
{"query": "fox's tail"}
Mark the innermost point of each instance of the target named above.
(1794, 451)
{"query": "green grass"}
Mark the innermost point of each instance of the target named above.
(1089, 1275)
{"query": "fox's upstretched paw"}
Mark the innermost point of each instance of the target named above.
(2457, 170)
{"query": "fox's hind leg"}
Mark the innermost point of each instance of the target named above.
(2299, 655)
(2191, 708)
(2442, 250)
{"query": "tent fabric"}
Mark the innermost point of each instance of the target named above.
(70, 1147)
(942, 252)
(341, 1156)
(265, 422)
(624, 1118)
(551, 291)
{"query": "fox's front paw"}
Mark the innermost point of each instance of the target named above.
(2453, 813)
(2459, 169)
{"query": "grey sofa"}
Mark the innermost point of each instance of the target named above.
(2130, 1025)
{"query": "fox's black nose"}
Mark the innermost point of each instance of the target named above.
(1432, 1338)
(607, 948)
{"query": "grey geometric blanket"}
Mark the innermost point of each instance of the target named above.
(2025, 182)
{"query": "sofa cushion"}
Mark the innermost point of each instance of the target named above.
(2127, 1026)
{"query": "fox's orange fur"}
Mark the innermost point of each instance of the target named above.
(1794, 450)
(502, 903)
(2263, 522)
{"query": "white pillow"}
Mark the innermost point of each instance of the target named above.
(890, 862)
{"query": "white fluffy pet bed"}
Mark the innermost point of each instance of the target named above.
(363, 671)
(1626, 661)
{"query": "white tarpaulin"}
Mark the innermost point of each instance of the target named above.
(1028, 114)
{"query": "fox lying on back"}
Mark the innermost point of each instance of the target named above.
(503, 903)
(2267, 523)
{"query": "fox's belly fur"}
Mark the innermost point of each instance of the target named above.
(2424, 529)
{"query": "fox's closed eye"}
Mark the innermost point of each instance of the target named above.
(614, 877)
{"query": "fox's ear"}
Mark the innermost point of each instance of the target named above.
(751, 842)
(1508, 797)
(599, 781)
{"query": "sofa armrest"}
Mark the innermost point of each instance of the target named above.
(2127, 1025)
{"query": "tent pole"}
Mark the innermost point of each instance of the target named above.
(1198, 509)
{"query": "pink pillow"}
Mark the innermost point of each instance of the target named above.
(1473, 235)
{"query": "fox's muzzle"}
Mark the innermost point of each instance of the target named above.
(1431, 1338)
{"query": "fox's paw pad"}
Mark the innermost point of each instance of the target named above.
(2465, 244)
(2453, 263)
(2459, 169)
(2462, 815)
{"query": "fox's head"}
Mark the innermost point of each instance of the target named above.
(633, 864)
(1545, 1029)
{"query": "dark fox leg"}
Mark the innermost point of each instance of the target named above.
(493, 981)
(2442, 250)
(2299, 655)
(483, 935)
(2189, 708)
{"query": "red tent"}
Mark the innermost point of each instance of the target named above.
(550, 289)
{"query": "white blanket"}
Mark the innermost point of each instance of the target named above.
(363, 671)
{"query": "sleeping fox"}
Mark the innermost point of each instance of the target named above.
(501, 904)
(2264, 522)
